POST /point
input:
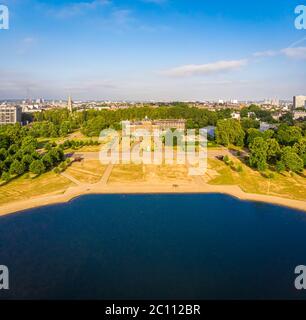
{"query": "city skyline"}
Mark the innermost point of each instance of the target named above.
(152, 50)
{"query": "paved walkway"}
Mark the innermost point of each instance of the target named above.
(107, 174)
(69, 177)
(212, 153)
(85, 171)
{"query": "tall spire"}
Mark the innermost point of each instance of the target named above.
(69, 104)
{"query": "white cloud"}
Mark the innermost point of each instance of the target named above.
(295, 53)
(268, 53)
(205, 69)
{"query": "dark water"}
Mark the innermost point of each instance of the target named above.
(153, 247)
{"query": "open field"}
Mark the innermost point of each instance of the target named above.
(24, 188)
(127, 173)
(251, 181)
(88, 176)
(86, 171)
(173, 173)
(78, 136)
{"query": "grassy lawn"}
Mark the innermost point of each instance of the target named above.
(84, 149)
(251, 181)
(89, 149)
(24, 188)
(212, 144)
(125, 173)
(90, 171)
(43, 141)
(73, 136)
(172, 172)
(78, 135)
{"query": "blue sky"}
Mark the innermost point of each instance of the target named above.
(152, 49)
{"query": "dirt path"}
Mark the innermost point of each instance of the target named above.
(74, 180)
(107, 174)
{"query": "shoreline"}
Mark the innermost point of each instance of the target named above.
(145, 188)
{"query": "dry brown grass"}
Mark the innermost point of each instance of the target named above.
(25, 188)
(252, 181)
(172, 172)
(87, 171)
(129, 172)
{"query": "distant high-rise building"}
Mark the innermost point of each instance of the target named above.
(299, 102)
(272, 102)
(69, 104)
(10, 114)
(40, 100)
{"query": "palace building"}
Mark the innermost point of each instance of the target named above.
(151, 125)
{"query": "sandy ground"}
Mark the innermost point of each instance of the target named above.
(145, 188)
(157, 181)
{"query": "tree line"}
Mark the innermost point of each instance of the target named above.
(283, 148)
(20, 153)
(56, 123)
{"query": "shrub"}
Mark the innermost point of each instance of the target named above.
(226, 159)
(56, 170)
(280, 166)
(17, 168)
(239, 168)
(5, 176)
(270, 175)
(37, 167)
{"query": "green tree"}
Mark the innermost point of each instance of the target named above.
(37, 167)
(287, 118)
(29, 141)
(27, 160)
(4, 141)
(287, 135)
(300, 148)
(291, 160)
(274, 149)
(65, 128)
(252, 133)
(17, 168)
(280, 166)
(3, 154)
(229, 131)
(48, 160)
(258, 153)
(13, 149)
(248, 123)
(5, 176)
